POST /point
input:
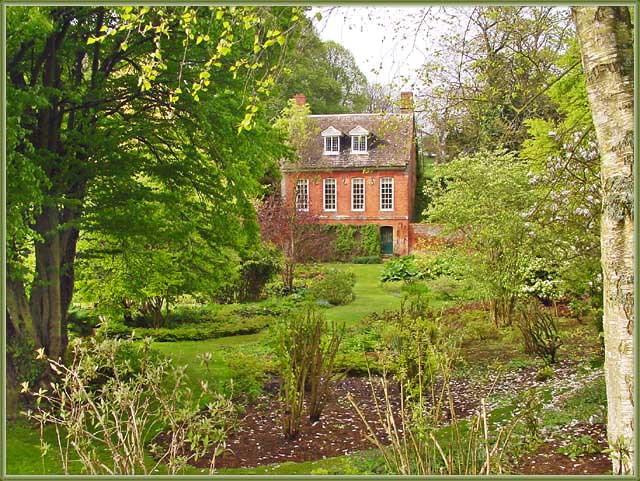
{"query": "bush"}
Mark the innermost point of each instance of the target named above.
(367, 260)
(400, 269)
(334, 286)
(539, 333)
(434, 267)
(305, 346)
(247, 376)
(123, 416)
(544, 374)
(81, 322)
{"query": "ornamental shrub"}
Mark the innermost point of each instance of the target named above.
(334, 286)
(400, 269)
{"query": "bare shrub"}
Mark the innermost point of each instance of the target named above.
(539, 333)
(117, 401)
(306, 346)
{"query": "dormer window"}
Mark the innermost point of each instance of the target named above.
(359, 140)
(332, 145)
(331, 141)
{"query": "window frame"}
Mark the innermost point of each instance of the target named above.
(357, 139)
(328, 140)
(335, 194)
(384, 181)
(304, 182)
(362, 183)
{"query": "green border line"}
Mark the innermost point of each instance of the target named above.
(416, 3)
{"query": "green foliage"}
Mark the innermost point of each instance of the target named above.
(247, 377)
(545, 374)
(20, 350)
(435, 266)
(581, 446)
(334, 286)
(487, 198)
(82, 322)
(116, 154)
(305, 345)
(400, 269)
(367, 260)
(255, 270)
(104, 402)
(350, 242)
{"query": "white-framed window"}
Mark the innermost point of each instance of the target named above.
(386, 193)
(332, 145)
(302, 194)
(359, 144)
(357, 194)
(329, 194)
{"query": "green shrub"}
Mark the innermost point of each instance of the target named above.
(400, 269)
(545, 374)
(357, 364)
(367, 260)
(188, 332)
(247, 376)
(81, 322)
(334, 286)
(434, 267)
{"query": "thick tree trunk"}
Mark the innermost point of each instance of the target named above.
(53, 286)
(606, 45)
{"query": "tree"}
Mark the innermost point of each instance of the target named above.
(296, 232)
(606, 46)
(325, 72)
(100, 125)
(491, 74)
(563, 158)
(488, 198)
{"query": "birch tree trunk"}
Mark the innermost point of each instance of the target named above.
(606, 45)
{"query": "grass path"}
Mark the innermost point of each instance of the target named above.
(370, 295)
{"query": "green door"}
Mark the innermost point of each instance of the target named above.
(386, 239)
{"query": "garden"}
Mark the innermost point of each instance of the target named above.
(328, 379)
(171, 310)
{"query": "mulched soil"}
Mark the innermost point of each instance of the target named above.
(547, 459)
(259, 441)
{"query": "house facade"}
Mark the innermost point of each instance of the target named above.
(358, 169)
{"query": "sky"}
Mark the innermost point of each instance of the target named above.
(390, 44)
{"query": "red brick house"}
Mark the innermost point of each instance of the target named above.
(358, 169)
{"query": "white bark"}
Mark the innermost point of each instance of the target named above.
(606, 45)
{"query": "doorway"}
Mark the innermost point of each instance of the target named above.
(386, 240)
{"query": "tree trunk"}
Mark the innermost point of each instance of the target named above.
(53, 286)
(604, 35)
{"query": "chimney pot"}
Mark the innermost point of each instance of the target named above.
(406, 102)
(300, 99)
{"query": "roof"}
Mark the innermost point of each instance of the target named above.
(389, 142)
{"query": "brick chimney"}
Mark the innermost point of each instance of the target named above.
(300, 99)
(406, 102)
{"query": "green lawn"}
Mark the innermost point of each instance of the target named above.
(23, 454)
(370, 295)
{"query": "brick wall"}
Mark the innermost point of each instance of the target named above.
(429, 237)
(398, 218)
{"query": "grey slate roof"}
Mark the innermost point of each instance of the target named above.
(389, 143)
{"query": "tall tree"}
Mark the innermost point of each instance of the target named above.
(606, 45)
(325, 72)
(490, 74)
(100, 124)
